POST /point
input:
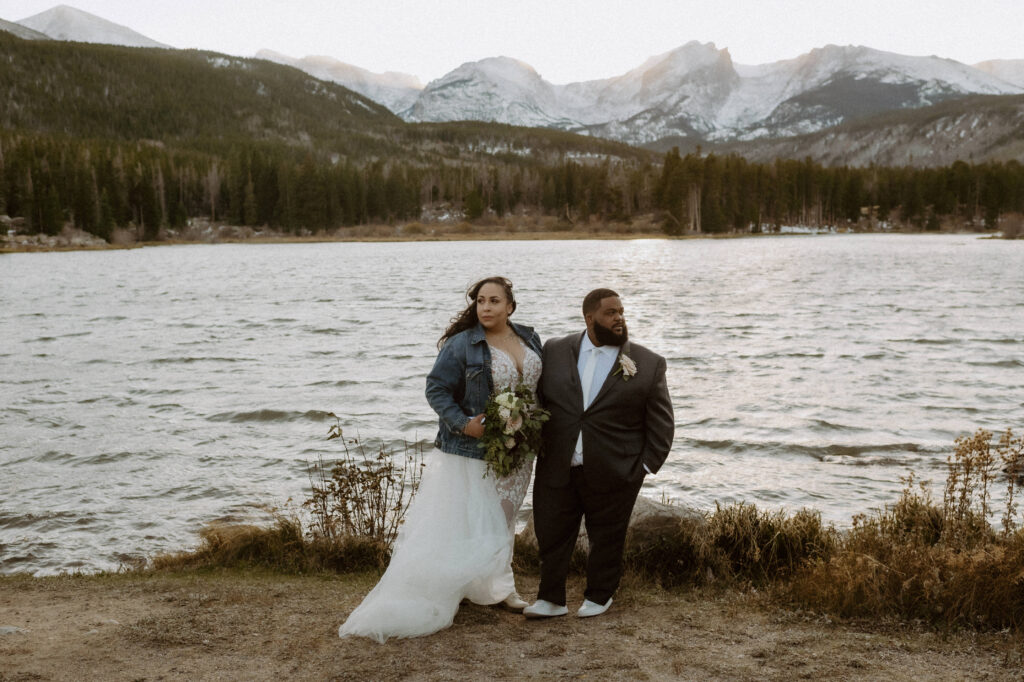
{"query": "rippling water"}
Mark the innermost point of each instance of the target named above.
(149, 392)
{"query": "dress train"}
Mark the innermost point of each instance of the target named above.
(456, 543)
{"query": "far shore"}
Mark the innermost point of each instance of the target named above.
(338, 237)
(260, 625)
(77, 241)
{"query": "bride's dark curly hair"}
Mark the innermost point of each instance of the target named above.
(467, 318)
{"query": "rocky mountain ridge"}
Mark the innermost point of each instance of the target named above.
(692, 95)
(697, 92)
(973, 129)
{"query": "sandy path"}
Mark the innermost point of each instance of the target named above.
(248, 626)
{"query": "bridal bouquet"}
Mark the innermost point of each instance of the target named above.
(512, 425)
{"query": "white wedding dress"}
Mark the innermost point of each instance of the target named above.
(456, 542)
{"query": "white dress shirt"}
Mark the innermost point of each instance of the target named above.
(605, 360)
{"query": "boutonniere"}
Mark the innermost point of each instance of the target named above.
(626, 367)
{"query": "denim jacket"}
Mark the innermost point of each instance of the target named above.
(460, 384)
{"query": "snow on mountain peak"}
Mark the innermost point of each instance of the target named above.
(890, 67)
(500, 89)
(696, 90)
(505, 71)
(67, 23)
(396, 91)
(688, 57)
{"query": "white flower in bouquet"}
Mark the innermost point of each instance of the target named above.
(505, 412)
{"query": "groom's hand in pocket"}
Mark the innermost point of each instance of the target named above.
(475, 427)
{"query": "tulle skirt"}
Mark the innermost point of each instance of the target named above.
(456, 543)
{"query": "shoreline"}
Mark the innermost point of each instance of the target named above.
(259, 625)
(503, 235)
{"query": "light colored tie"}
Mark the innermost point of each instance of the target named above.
(588, 381)
(588, 376)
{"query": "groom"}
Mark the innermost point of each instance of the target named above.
(611, 423)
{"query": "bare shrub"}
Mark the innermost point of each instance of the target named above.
(356, 507)
(971, 470)
(365, 493)
(1011, 454)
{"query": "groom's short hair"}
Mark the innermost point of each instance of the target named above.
(592, 301)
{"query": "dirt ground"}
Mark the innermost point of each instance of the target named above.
(258, 626)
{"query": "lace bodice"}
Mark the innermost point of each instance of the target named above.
(512, 488)
(504, 372)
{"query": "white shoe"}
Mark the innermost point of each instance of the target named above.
(589, 608)
(514, 602)
(544, 609)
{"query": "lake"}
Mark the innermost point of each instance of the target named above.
(149, 392)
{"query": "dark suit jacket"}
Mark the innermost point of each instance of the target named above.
(629, 423)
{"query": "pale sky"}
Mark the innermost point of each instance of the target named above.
(564, 40)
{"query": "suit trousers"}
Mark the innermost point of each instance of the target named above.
(557, 514)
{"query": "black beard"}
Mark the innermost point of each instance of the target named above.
(606, 337)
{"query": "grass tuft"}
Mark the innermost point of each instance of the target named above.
(736, 544)
(283, 547)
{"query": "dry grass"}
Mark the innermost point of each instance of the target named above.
(282, 547)
(944, 565)
(736, 545)
(919, 560)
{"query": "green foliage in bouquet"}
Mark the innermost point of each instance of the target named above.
(512, 429)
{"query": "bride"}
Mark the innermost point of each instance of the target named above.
(456, 542)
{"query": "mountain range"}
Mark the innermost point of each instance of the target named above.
(697, 92)
(694, 94)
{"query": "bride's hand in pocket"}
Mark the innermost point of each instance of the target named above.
(475, 427)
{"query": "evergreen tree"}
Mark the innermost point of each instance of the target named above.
(473, 205)
(250, 207)
(105, 224)
(48, 213)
